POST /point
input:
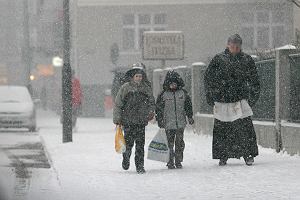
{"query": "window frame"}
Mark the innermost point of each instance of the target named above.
(256, 25)
(137, 27)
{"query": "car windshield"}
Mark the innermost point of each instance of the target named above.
(13, 94)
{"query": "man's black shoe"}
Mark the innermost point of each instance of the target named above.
(249, 160)
(222, 162)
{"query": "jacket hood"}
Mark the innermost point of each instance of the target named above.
(173, 77)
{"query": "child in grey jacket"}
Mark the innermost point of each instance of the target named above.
(173, 107)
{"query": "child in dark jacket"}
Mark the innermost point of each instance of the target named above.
(173, 107)
(134, 107)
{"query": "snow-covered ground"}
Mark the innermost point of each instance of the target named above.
(19, 149)
(89, 168)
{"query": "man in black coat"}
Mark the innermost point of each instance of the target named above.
(232, 79)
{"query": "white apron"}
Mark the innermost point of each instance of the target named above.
(229, 112)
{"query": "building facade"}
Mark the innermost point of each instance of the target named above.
(33, 36)
(297, 23)
(12, 48)
(205, 25)
(30, 35)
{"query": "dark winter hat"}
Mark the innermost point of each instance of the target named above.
(235, 39)
(173, 77)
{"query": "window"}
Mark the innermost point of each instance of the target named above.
(278, 35)
(262, 29)
(32, 7)
(278, 17)
(144, 19)
(134, 26)
(262, 17)
(160, 19)
(128, 39)
(248, 36)
(128, 19)
(247, 18)
(263, 37)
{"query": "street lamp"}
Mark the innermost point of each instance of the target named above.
(57, 61)
(32, 77)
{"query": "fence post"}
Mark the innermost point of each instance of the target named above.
(277, 102)
(282, 92)
(156, 81)
(197, 89)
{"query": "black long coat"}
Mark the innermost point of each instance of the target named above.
(229, 79)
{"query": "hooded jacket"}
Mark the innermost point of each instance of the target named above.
(134, 103)
(173, 106)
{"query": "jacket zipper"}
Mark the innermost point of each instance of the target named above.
(175, 110)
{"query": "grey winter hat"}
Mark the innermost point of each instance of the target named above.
(134, 71)
(139, 66)
(235, 39)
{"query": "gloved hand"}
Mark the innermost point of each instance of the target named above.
(191, 121)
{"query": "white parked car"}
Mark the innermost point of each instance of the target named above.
(17, 109)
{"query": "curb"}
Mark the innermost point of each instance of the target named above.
(48, 155)
(46, 151)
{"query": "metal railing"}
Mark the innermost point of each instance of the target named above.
(294, 60)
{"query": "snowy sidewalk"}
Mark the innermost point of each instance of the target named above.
(25, 172)
(89, 168)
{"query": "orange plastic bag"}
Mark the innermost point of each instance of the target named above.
(120, 145)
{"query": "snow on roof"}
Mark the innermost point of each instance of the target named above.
(254, 56)
(198, 64)
(159, 2)
(204, 115)
(137, 67)
(264, 123)
(290, 124)
(168, 68)
(157, 70)
(177, 67)
(288, 46)
(165, 32)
